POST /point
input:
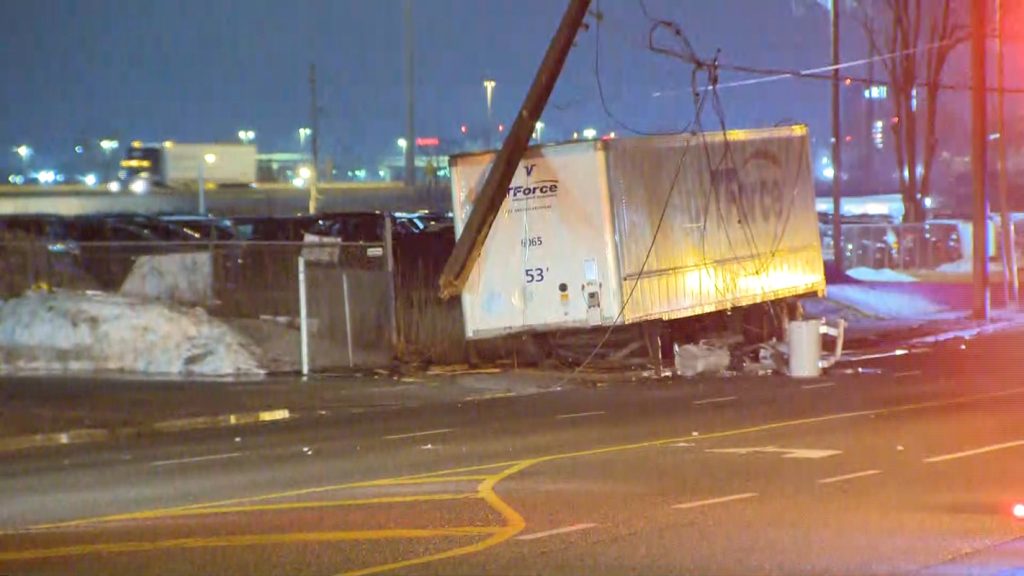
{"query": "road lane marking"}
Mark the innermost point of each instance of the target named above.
(196, 459)
(555, 532)
(246, 540)
(816, 386)
(414, 434)
(909, 373)
(580, 414)
(713, 400)
(849, 476)
(982, 450)
(715, 501)
(806, 453)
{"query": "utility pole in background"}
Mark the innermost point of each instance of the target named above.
(979, 157)
(314, 114)
(837, 155)
(410, 95)
(1011, 286)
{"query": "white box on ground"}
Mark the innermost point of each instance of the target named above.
(573, 233)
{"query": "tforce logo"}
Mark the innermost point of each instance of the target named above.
(546, 188)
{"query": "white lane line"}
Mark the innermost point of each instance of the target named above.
(909, 373)
(414, 434)
(196, 459)
(814, 386)
(849, 476)
(712, 400)
(581, 414)
(715, 500)
(556, 531)
(982, 450)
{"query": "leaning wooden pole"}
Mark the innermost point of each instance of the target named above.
(492, 194)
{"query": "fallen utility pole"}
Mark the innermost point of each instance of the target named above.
(492, 194)
(979, 158)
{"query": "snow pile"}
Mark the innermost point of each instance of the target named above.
(879, 275)
(883, 303)
(181, 278)
(100, 332)
(964, 266)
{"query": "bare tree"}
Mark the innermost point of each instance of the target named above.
(915, 39)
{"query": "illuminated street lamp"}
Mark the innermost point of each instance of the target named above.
(402, 143)
(303, 134)
(538, 130)
(489, 88)
(24, 151)
(208, 158)
(246, 136)
(589, 133)
(108, 145)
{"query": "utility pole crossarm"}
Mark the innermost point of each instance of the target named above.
(492, 194)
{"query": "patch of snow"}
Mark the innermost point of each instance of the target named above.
(182, 278)
(957, 267)
(879, 275)
(883, 303)
(72, 331)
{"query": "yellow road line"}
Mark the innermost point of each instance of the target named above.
(246, 540)
(514, 523)
(273, 507)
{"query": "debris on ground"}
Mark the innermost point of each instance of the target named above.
(701, 358)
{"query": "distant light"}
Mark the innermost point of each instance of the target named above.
(828, 172)
(993, 136)
(89, 179)
(298, 182)
(501, 127)
(305, 173)
(428, 141)
(168, 143)
(136, 143)
(848, 81)
(16, 179)
(463, 129)
(575, 135)
(210, 158)
(589, 133)
(1018, 511)
(108, 144)
(246, 136)
(114, 186)
(23, 151)
(928, 202)
(382, 173)
(46, 176)
(139, 186)
(79, 149)
(402, 143)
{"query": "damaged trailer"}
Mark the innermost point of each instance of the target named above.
(673, 233)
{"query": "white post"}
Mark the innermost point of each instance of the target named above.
(202, 187)
(348, 318)
(303, 320)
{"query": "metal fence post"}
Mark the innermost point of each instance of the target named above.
(303, 320)
(348, 318)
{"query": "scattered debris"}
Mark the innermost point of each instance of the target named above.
(702, 358)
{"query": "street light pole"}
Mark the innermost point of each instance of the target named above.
(410, 94)
(208, 158)
(979, 157)
(837, 151)
(489, 89)
(1011, 284)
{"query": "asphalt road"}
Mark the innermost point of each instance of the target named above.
(910, 466)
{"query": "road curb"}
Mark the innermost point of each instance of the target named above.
(95, 435)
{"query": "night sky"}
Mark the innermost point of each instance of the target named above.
(199, 70)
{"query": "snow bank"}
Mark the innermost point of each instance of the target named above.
(64, 332)
(880, 302)
(181, 278)
(879, 275)
(957, 267)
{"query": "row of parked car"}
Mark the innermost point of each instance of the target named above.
(99, 250)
